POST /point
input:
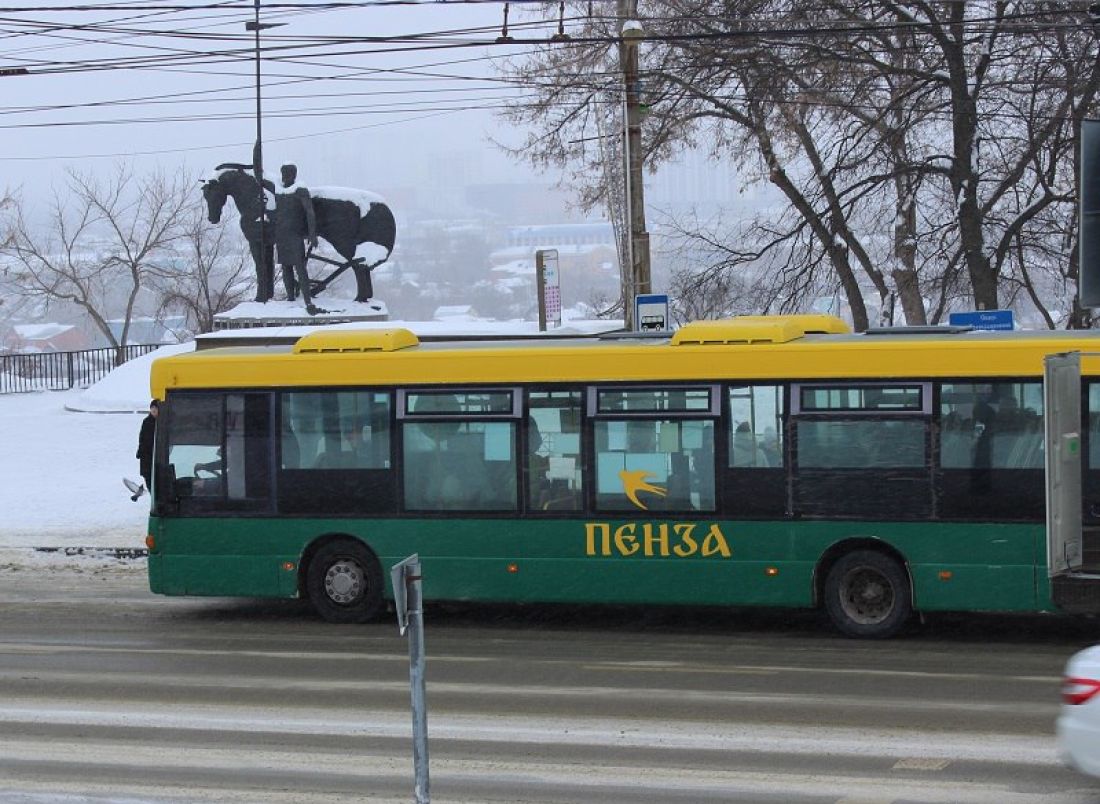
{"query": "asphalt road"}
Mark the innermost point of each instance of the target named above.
(109, 694)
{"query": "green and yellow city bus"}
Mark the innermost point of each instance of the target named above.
(756, 461)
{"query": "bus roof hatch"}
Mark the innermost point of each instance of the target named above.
(350, 340)
(758, 329)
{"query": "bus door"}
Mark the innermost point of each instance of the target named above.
(1062, 400)
(1073, 491)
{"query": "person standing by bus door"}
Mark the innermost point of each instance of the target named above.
(145, 445)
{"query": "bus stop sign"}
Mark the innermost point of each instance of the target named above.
(651, 311)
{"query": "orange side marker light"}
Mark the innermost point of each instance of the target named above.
(946, 575)
(513, 568)
(771, 572)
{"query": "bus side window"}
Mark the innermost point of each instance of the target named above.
(991, 450)
(756, 421)
(194, 440)
(218, 451)
(554, 476)
(1094, 425)
(464, 459)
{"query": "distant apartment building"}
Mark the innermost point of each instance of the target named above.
(695, 181)
(570, 236)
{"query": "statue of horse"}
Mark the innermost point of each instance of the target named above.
(357, 224)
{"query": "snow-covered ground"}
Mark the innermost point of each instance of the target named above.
(66, 453)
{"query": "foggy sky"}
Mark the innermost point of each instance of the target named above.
(345, 113)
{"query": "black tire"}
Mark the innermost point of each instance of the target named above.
(867, 595)
(344, 582)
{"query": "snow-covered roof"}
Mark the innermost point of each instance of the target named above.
(40, 332)
(454, 310)
(512, 252)
(517, 267)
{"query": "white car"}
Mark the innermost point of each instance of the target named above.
(1079, 723)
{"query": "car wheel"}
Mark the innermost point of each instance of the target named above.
(344, 582)
(867, 595)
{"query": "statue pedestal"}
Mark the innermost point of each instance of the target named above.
(286, 314)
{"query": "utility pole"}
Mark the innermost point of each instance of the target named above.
(258, 149)
(638, 280)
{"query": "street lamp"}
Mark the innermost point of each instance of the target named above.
(638, 279)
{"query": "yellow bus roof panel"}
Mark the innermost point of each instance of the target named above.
(813, 357)
(758, 329)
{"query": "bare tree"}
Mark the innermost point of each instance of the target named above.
(924, 149)
(102, 240)
(210, 272)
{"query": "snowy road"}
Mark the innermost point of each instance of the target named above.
(110, 694)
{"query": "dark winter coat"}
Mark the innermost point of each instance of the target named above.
(145, 446)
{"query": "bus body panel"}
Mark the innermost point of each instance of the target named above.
(990, 566)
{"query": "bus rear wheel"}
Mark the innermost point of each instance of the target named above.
(344, 582)
(867, 595)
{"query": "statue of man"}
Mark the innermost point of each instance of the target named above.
(294, 223)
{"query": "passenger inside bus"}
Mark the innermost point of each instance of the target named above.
(746, 450)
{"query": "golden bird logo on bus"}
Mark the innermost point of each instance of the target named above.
(634, 481)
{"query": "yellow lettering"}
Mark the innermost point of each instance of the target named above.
(715, 542)
(625, 540)
(653, 539)
(660, 538)
(590, 529)
(687, 545)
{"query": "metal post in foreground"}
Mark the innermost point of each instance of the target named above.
(407, 599)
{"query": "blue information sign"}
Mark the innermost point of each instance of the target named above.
(983, 319)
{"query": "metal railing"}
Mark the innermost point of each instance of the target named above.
(59, 371)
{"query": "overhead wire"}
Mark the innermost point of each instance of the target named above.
(423, 42)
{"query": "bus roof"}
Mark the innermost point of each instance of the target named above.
(750, 348)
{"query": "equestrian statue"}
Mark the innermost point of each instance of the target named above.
(356, 223)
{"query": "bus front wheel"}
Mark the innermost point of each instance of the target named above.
(344, 582)
(867, 595)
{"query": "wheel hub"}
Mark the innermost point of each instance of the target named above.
(866, 596)
(344, 581)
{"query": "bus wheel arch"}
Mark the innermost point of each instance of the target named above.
(865, 588)
(342, 577)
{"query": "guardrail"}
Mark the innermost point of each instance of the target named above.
(60, 371)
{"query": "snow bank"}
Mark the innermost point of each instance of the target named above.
(61, 479)
(126, 389)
